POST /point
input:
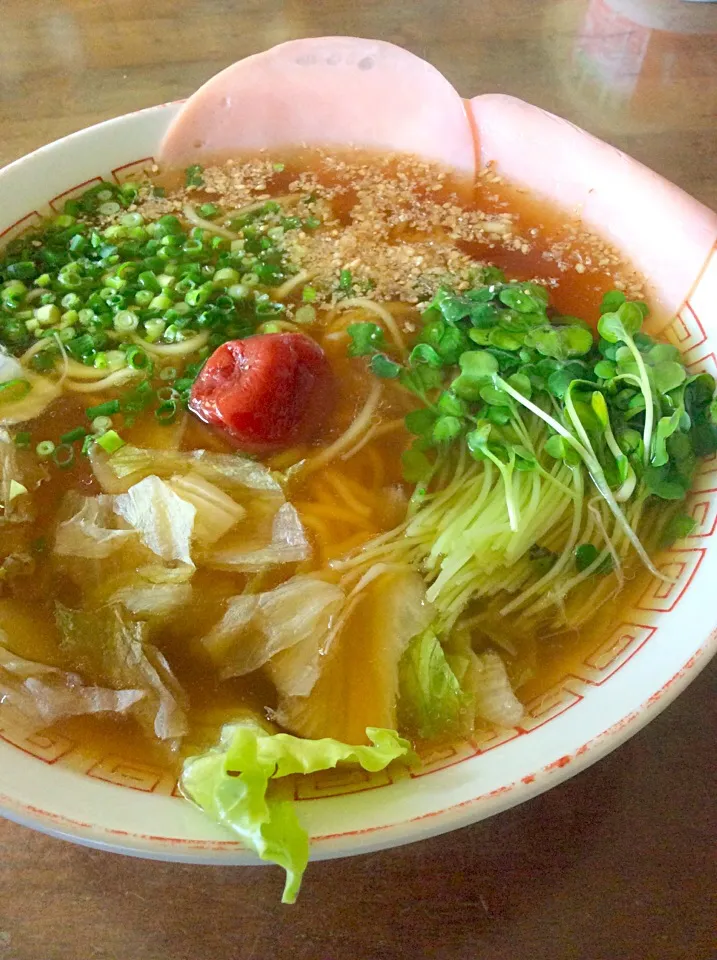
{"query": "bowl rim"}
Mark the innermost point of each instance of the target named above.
(374, 837)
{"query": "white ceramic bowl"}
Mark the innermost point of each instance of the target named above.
(57, 786)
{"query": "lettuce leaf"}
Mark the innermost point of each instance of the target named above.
(231, 783)
(431, 699)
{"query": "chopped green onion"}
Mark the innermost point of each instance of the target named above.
(105, 409)
(48, 315)
(45, 448)
(208, 210)
(226, 277)
(110, 441)
(63, 456)
(154, 329)
(77, 433)
(125, 321)
(132, 220)
(168, 373)
(13, 390)
(345, 281)
(305, 314)
(109, 208)
(101, 424)
(279, 168)
(166, 411)
(308, 294)
(193, 176)
(23, 438)
(165, 394)
(137, 358)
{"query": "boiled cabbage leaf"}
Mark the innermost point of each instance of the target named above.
(216, 513)
(162, 518)
(495, 700)
(255, 627)
(270, 537)
(431, 699)
(111, 651)
(232, 783)
(45, 694)
(232, 472)
(153, 601)
(356, 660)
(93, 530)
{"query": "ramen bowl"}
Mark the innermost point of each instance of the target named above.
(664, 636)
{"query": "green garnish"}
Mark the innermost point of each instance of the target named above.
(78, 433)
(193, 176)
(110, 441)
(494, 360)
(13, 390)
(106, 409)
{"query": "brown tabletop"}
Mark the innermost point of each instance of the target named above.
(616, 864)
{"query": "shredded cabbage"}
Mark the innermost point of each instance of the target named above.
(231, 783)
(230, 471)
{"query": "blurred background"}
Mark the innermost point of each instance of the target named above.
(628, 70)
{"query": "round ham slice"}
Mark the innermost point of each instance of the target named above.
(325, 91)
(665, 233)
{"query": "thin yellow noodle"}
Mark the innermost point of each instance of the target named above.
(332, 511)
(360, 424)
(191, 214)
(377, 430)
(286, 459)
(344, 546)
(377, 467)
(288, 286)
(337, 484)
(97, 386)
(182, 349)
(319, 527)
(360, 490)
(379, 311)
(80, 371)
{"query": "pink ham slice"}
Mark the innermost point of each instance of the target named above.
(665, 233)
(325, 91)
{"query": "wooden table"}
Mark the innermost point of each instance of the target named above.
(617, 864)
